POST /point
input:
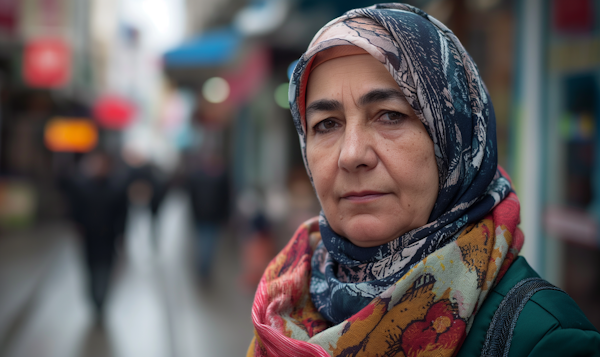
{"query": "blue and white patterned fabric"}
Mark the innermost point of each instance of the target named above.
(443, 86)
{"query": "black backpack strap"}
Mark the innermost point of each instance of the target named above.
(500, 333)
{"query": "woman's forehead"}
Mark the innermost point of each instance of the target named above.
(361, 73)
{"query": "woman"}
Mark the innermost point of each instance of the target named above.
(417, 241)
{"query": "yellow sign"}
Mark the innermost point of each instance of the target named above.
(70, 134)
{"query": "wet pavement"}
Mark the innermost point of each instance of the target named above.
(157, 306)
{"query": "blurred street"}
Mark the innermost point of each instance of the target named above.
(156, 307)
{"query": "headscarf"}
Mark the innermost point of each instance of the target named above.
(472, 225)
(441, 83)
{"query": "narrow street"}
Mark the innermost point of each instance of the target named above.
(156, 306)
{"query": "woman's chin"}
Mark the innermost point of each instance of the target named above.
(368, 231)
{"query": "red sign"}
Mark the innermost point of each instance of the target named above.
(47, 63)
(8, 16)
(574, 16)
(114, 112)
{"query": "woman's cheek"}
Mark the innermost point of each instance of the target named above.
(317, 163)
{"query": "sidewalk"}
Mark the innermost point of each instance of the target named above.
(155, 308)
(25, 257)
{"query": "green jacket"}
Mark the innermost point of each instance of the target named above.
(551, 324)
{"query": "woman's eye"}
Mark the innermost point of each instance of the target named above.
(325, 126)
(392, 117)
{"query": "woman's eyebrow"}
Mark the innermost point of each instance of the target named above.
(380, 95)
(323, 105)
(376, 95)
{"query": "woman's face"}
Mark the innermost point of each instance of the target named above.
(371, 159)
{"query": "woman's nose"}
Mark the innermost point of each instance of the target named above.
(357, 152)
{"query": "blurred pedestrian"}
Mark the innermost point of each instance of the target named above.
(209, 192)
(146, 187)
(98, 205)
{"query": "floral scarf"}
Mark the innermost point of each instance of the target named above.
(345, 286)
(429, 309)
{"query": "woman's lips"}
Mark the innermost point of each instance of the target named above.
(363, 196)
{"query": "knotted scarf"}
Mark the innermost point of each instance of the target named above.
(323, 295)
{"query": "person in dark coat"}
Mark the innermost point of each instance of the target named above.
(209, 193)
(99, 209)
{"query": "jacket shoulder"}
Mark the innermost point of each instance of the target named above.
(551, 323)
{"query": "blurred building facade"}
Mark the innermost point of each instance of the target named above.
(555, 143)
(45, 71)
(74, 60)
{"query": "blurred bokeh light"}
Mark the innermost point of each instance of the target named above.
(47, 63)
(70, 135)
(281, 95)
(215, 90)
(113, 112)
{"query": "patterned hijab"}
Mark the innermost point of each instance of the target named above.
(442, 84)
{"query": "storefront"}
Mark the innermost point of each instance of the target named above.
(557, 156)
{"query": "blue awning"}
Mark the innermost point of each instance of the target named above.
(212, 48)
